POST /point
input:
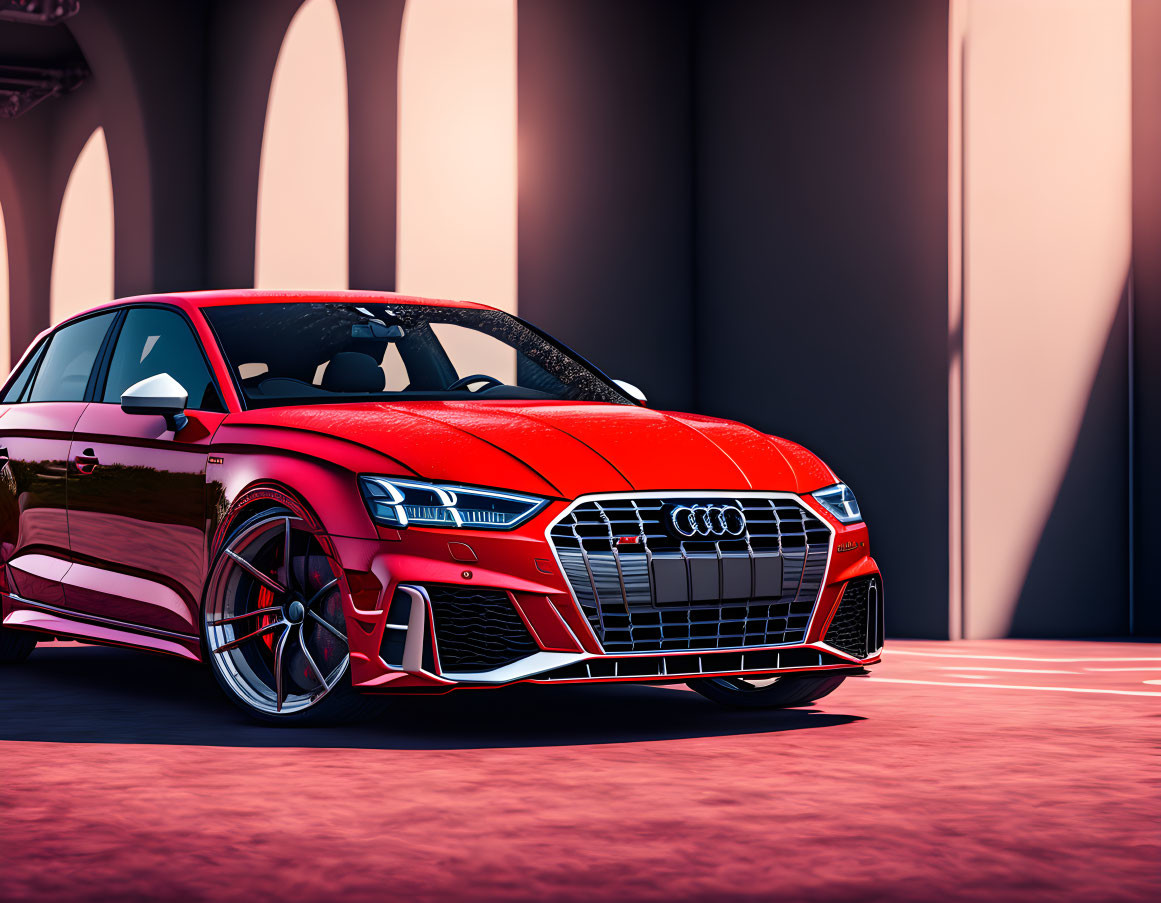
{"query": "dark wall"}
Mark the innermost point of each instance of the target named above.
(371, 34)
(1146, 294)
(243, 41)
(241, 49)
(148, 77)
(740, 205)
(181, 91)
(37, 154)
(822, 265)
(605, 206)
(815, 305)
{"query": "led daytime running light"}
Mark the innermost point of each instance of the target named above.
(402, 503)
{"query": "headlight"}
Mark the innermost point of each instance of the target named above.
(403, 503)
(839, 501)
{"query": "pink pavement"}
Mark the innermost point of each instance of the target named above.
(969, 783)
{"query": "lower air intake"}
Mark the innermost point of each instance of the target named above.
(857, 626)
(477, 629)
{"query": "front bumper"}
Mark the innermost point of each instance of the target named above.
(395, 628)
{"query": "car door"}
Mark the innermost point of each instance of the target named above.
(39, 410)
(137, 490)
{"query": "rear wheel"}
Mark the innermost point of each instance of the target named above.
(15, 645)
(765, 692)
(274, 626)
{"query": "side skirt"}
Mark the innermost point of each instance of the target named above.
(27, 614)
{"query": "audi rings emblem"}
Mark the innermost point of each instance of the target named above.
(708, 521)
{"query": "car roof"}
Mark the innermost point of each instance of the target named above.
(190, 301)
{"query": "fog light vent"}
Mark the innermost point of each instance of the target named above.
(857, 626)
(477, 629)
(395, 633)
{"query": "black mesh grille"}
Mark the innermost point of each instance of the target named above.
(656, 591)
(477, 629)
(857, 626)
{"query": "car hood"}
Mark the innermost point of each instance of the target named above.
(562, 449)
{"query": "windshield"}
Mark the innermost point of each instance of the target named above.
(323, 352)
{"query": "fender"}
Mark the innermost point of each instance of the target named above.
(244, 457)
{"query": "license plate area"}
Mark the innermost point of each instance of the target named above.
(706, 579)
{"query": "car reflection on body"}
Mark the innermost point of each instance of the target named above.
(326, 496)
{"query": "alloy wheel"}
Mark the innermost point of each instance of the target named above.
(274, 619)
(777, 691)
(745, 684)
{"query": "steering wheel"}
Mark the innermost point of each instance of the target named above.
(466, 381)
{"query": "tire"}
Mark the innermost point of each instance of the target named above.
(275, 636)
(769, 693)
(15, 646)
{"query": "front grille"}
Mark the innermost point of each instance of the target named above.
(666, 592)
(857, 626)
(477, 629)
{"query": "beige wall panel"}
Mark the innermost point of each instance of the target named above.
(82, 260)
(1047, 245)
(457, 158)
(302, 186)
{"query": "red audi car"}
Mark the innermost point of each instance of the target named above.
(331, 495)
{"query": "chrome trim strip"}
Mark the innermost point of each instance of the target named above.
(567, 626)
(689, 494)
(416, 635)
(416, 621)
(539, 662)
(534, 664)
(823, 645)
(86, 618)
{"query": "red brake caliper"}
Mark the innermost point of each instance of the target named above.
(265, 600)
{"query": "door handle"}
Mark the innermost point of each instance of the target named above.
(86, 462)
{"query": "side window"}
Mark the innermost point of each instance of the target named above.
(20, 383)
(154, 341)
(64, 372)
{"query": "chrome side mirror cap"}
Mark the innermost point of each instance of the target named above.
(160, 394)
(631, 390)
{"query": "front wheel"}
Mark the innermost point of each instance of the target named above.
(274, 626)
(15, 645)
(765, 693)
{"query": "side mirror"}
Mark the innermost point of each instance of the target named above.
(631, 390)
(160, 394)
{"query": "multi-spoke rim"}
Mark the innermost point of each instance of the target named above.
(746, 684)
(274, 623)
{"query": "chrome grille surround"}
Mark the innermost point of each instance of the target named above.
(616, 587)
